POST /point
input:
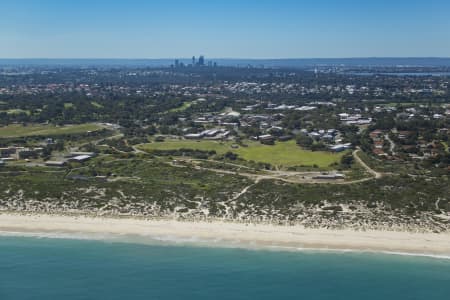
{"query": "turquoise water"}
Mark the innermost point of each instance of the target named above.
(41, 268)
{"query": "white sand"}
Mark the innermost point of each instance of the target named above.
(255, 235)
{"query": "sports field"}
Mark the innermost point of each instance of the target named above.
(285, 154)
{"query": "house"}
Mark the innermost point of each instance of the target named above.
(340, 147)
(306, 108)
(376, 134)
(9, 151)
(403, 135)
(73, 154)
(80, 158)
(378, 144)
(314, 135)
(379, 152)
(331, 131)
(343, 116)
(266, 139)
(327, 137)
(233, 114)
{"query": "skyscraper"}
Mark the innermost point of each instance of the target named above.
(193, 61)
(201, 60)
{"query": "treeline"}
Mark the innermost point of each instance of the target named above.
(195, 153)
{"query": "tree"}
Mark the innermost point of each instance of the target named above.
(347, 160)
(230, 155)
(304, 141)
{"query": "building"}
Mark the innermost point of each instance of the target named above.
(201, 61)
(55, 163)
(266, 139)
(340, 147)
(7, 152)
(80, 158)
(193, 136)
(335, 176)
(73, 154)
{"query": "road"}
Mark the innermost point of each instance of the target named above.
(285, 176)
(376, 174)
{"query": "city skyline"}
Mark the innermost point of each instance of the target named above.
(233, 29)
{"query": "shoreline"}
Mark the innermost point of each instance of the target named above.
(227, 234)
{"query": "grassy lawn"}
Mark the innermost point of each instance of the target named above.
(68, 105)
(219, 147)
(44, 130)
(96, 104)
(183, 107)
(286, 154)
(16, 111)
(446, 146)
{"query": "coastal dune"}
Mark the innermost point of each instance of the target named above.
(227, 233)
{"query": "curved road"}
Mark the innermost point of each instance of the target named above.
(376, 174)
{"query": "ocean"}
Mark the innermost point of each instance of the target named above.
(49, 268)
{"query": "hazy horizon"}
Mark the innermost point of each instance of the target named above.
(230, 62)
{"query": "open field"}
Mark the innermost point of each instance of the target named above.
(286, 154)
(183, 107)
(16, 111)
(446, 146)
(45, 130)
(96, 104)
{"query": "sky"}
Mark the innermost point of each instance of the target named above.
(224, 28)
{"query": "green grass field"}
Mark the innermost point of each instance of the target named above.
(445, 146)
(283, 154)
(45, 130)
(183, 107)
(96, 104)
(16, 111)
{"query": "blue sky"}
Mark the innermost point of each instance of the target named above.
(224, 28)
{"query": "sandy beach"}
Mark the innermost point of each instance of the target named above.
(232, 233)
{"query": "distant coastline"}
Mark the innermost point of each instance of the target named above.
(220, 234)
